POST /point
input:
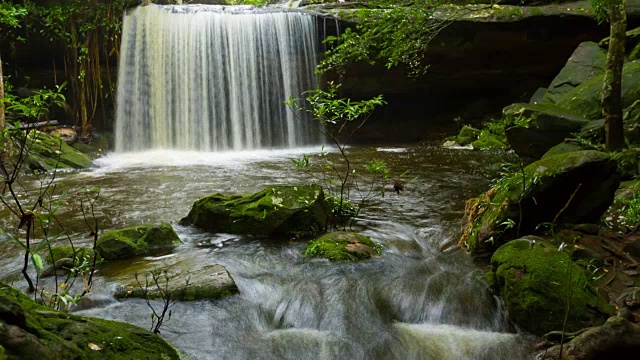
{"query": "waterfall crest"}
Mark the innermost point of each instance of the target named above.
(196, 77)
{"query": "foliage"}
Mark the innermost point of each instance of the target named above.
(35, 211)
(391, 31)
(601, 8)
(630, 215)
(160, 281)
(338, 120)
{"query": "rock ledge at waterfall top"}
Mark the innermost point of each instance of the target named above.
(277, 211)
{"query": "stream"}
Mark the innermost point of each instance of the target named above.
(422, 299)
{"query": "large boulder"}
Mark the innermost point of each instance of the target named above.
(585, 99)
(277, 211)
(539, 127)
(137, 240)
(537, 281)
(615, 339)
(342, 246)
(32, 331)
(575, 187)
(587, 61)
(47, 152)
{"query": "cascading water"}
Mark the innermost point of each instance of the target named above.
(210, 78)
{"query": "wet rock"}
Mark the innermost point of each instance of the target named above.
(277, 211)
(587, 61)
(342, 246)
(206, 283)
(535, 280)
(550, 184)
(585, 99)
(137, 240)
(60, 267)
(543, 126)
(615, 339)
(32, 331)
(66, 134)
(47, 153)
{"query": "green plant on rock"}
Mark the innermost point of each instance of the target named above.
(338, 119)
(158, 281)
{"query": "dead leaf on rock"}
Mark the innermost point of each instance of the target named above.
(95, 347)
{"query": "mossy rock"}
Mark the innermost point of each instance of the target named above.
(48, 153)
(62, 252)
(277, 211)
(587, 61)
(540, 127)
(467, 135)
(562, 148)
(137, 240)
(210, 282)
(550, 184)
(585, 99)
(32, 331)
(488, 142)
(631, 116)
(342, 246)
(536, 281)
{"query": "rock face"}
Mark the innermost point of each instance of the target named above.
(581, 182)
(615, 339)
(544, 125)
(536, 281)
(137, 240)
(32, 331)
(47, 152)
(587, 61)
(342, 246)
(206, 283)
(585, 99)
(276, 211)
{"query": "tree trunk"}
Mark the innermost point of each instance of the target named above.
(612, 85)
(1, 98)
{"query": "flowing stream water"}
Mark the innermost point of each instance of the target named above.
(422, 299)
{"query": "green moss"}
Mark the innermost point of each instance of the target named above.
(627, 163)
(562, 148)
(585, 99)
(137, 240)
(488, 141)
(55, 335)
(61, 252)
(467, 135)
(537, 281)
(47, 153)
(291, 211)
(335, 246)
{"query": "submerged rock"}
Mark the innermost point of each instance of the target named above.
(580, 185)
(536, 281)
(542, 127)
(137, 240)
(277, 211)
(342, 246)
(207, 283)
(615, 339)
(32, 331)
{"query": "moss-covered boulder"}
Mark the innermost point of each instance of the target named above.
(209, 282)
(581, 184)
(585, 99)
(47, 153)
(342, 246)
(61, 259)
(624, 212)
(488, 141)
(537, 282)
(631, 117)
(587, 61)
(628, 163)
(32, 331)
(137, 240)
(562, 148)
(277, 211)
(539, 127)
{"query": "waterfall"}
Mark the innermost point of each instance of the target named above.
(212, 78)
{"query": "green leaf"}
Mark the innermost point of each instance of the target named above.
(37, 263)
